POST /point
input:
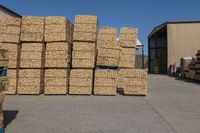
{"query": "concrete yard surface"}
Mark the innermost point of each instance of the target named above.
(172, 106)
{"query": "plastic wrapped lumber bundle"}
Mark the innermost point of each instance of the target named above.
(128, 37)
(32, 55)
(58, 29)
(81, 82)
(30, 81)
(136, 82)
(85, 28)
(105, 82)
(56, 81)
(10, 30)
(58, 55)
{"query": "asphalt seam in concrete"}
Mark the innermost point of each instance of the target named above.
(162, 117)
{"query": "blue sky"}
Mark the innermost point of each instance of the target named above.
(143, 14)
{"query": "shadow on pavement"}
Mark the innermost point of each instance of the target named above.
(188, 80)
(9, 116)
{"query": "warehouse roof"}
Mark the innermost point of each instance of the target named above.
(5, 8)
(170, 22)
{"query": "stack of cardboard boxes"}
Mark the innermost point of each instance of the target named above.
(83, 55)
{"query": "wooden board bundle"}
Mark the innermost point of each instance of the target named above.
(3, 57)
(12, 78)
(127, 58)
(56, 81)
(58, 28)
(105, 82)
(128, 37)
(30, 81)
(134, 82)
(2, 97)
(85, 28)
(108, 49)
(32, 55)
(10, 30)
(81, 81)
(13, 54)
(58, 55)
(32, 29)
(83, 55)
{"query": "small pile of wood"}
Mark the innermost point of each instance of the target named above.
(30, 81)
(108, 48)
(128, 38)
(81, 81)
(105, 82)
(32, 29)
(56, 81)
(10, 30)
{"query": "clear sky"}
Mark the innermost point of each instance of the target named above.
(143, 14)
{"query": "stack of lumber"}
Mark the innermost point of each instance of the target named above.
(32, 29)
(10, 30)
(58, 55)
(105, 82)
(30, 81)
(2, 97)
(13, 54)
(81, 81)
(128, 38)
(85, 28)
(56, 81)
(134, 81)
(12, 86)
(192, 69)
(84, 41)
(197, 65)
(108, 49)
(58, 29)
(84, 55)
(32, 55)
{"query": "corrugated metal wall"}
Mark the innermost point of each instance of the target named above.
(183, 40)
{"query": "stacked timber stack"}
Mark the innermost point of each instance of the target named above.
(197, 66)
(105, 82)
(107, 62)
(83, 55)
(10, 39)
(108, 49)
(128, 38)
(192, 69)
(58, 35)
(30, 79)
(3, 80)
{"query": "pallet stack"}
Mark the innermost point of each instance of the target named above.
(105, 82)
(3, 80)
(128, 38)
(32, 56)
(83, 55)
(132, 81)
(58, 38)
(10, 40)
(107, 62)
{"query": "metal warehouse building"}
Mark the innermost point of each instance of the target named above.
(170, 41)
